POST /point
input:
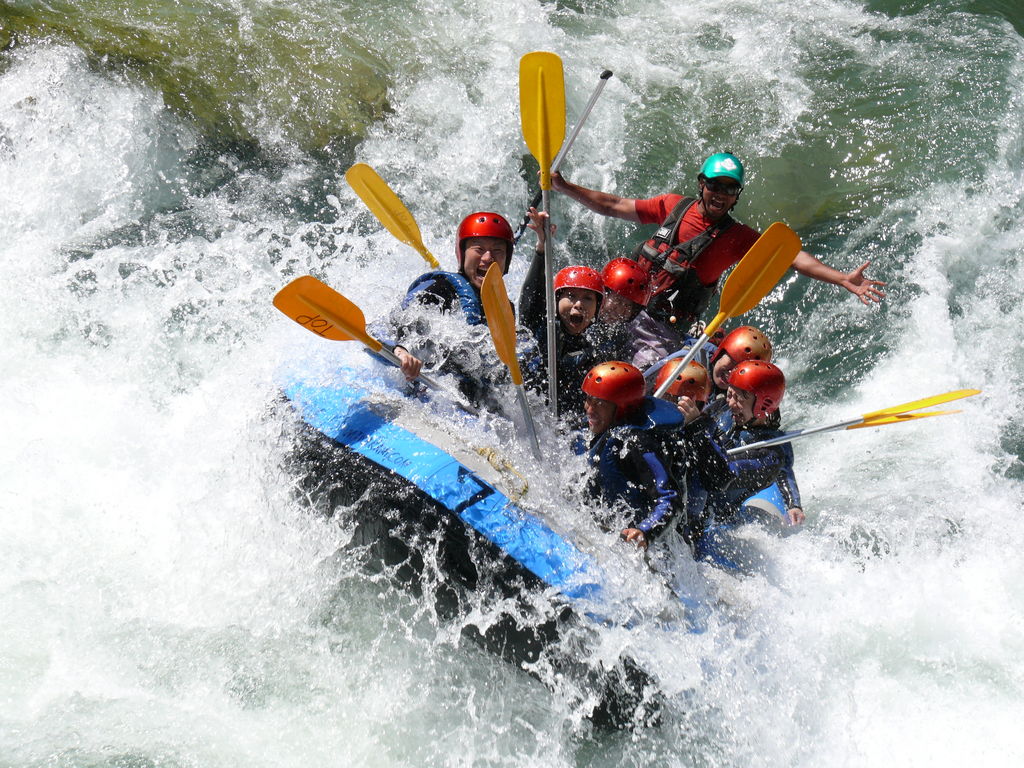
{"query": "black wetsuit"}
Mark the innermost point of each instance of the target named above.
(719, 483)
(469, 358)
(576, 354)
(636, 465)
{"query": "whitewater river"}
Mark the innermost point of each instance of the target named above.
(166, 601)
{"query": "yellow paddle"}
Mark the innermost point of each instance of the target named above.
(542, 113)
(565, 149)
(322, 310)
(925, 402)
(899, 418)
(502, 325)
(389, 210)
(896, 414)
(751, 280)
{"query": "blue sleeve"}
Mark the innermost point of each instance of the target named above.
(665, 494)
(752, 463)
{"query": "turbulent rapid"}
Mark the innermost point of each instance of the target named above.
(168, 596)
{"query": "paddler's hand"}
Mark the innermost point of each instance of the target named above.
(636, 536)
(863, 287)
(410, 365)
(796, 516)
(558, 183)
(688, 408)
(537, 219)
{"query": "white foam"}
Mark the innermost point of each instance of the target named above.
(165, 595)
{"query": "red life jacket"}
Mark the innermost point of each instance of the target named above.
(677, 294)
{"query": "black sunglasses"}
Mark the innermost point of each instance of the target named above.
(723, 187)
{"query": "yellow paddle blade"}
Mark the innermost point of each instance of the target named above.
(542, 108)
(389, 210)
(760, 269)
(502, 324)
(324, 311)
(924, 402)
(898, 418)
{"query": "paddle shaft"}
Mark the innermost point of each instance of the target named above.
(552, 313)
(862, 422)
(557, 162)
(652, 371)
(790, 436)
(392, 358)
(685, 361)
(531, 428)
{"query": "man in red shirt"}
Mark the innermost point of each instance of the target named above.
(697, 242)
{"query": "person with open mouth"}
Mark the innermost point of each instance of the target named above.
(579, 293)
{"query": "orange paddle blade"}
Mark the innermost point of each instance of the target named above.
(322, 310)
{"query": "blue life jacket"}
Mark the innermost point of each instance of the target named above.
(468, 298)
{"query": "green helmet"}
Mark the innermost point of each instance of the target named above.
(723, 164)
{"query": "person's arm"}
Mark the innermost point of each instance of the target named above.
(600, 202)
(664, 494)
(789, 489)
(434, 294)
(855, 282)
(532, 299)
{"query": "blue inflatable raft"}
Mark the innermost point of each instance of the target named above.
(372, 454)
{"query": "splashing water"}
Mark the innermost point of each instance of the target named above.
(169, 600)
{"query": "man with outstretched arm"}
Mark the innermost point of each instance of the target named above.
(698, 240)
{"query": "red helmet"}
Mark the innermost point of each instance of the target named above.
(580, 277)
(692, 382)
(745, 343)
(483, 224)
(764, 380)
(626, 277)
(617, 382)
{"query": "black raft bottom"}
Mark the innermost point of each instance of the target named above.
(430, 551)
